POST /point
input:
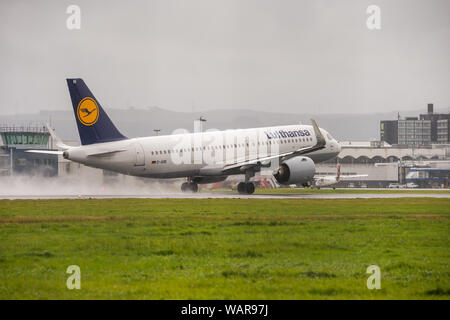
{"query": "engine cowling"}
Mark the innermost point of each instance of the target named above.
(296, 170)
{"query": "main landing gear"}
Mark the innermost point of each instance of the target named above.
(189, 187)
(246, 188)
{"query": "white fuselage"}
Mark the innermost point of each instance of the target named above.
(199, 154)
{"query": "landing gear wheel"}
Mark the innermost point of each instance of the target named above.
(189, 187)
(250, 188)
(246, 188)
(194, 187)
(241, 188)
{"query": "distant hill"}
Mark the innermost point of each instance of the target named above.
(141, 122)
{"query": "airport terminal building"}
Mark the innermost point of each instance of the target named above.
(426, 129)
(385, 163)
(412, 149)
(15, 161)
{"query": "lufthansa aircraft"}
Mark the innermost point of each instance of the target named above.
(200, 157)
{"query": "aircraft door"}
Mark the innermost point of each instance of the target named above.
(140, 155)
(247, 148)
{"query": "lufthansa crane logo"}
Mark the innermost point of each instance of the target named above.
(88, 111)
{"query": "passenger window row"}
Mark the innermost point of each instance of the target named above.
(229, 146)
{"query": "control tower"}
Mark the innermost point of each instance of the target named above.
(13, 158)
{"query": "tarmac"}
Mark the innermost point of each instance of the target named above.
(215, 195)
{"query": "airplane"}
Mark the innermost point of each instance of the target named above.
(200, 157)
(324, 181)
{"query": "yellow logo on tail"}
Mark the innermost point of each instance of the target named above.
(88, 111)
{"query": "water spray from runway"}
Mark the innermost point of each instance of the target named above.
(84, 186)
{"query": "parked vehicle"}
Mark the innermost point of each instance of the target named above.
(411, 185)
(396, 186)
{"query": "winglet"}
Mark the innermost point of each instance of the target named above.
(320, 139)
(57, 140)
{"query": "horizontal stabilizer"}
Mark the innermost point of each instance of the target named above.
(104, 152)
(56, 139)
(45, 151)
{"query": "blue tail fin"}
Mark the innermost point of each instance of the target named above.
(94, 125)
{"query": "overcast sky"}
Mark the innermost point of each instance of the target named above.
(269, 55)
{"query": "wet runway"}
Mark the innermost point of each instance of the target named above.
(205, 195)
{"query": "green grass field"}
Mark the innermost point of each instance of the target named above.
(225, 248)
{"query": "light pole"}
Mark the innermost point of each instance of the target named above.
(201, 119)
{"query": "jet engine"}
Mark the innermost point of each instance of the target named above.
(296, 170)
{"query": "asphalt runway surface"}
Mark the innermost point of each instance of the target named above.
(205, 195)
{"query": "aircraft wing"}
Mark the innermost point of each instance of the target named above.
(242, 166)
(257, 162)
